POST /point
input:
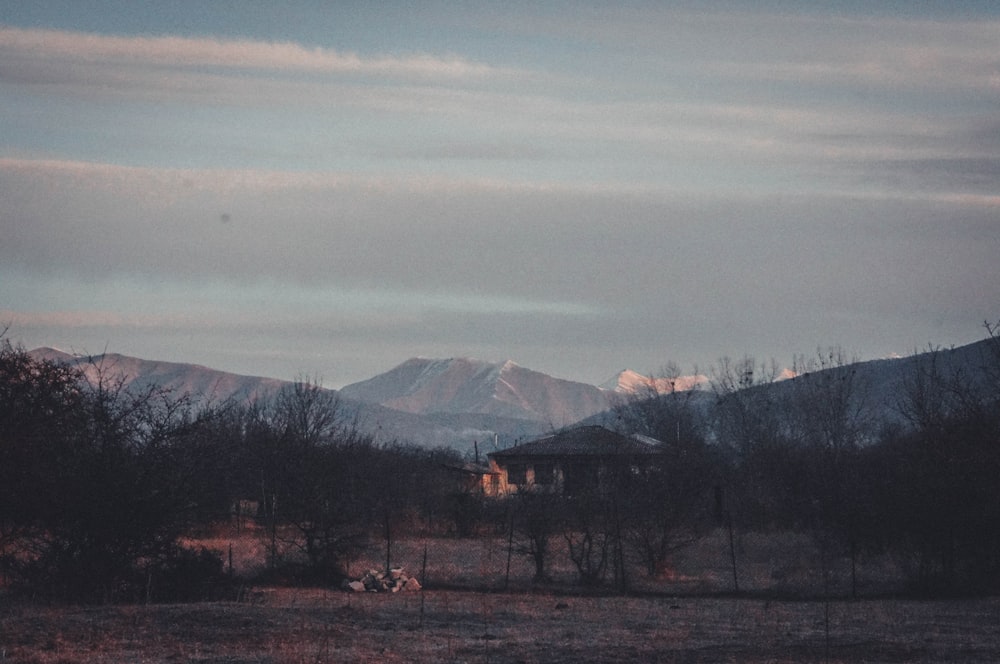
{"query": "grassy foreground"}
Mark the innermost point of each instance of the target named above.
(295, 625)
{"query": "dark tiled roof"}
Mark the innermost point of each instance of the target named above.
(581, 441)
(468, 468)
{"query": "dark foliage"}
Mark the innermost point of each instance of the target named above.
(97, 483)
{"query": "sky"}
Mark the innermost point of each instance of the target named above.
(327, 189)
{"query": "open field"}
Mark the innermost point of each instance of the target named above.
(285, 625)
(466, 615)
(774, 564)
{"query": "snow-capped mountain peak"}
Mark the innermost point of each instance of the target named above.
(632, 382)
(464, 385)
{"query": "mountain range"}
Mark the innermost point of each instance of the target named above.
(458, 402)
(465, 403)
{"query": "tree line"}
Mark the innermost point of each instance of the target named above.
(100, 485)
(813, 454)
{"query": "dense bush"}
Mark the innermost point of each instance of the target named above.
(98, 483)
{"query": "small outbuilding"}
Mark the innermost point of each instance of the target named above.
(469, 478)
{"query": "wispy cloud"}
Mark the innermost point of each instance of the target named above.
(626, 180)
(239, 54)
(90, 318)
(812, 47)
(437, 111)
(877, 53)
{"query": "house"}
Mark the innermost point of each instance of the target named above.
(569, 462)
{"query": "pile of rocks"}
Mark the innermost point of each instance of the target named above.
(375, 581)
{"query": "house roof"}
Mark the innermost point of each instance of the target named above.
(468, 468)
(582, 441)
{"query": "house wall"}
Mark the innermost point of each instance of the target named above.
(538, 475)
(497, 481)
(569, 475)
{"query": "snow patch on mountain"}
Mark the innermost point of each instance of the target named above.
(631, 382)
(786, 374)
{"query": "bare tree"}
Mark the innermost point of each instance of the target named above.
(535, 518)
(940, 517)
(666, 505)
(829, 422)
(669, 407)
(316, 478)
(746, 414)
(589, 532)
(747, 423)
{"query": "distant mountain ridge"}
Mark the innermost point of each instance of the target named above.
(457, 402)
(462, 402)
(209, 385)
(462, 431)
(462, 385)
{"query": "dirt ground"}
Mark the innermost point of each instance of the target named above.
(289, 625)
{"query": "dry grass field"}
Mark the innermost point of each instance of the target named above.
(284, 625)
(777, 564)
(480, 606)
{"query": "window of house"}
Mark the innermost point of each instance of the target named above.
(517, 473)
(544, 473)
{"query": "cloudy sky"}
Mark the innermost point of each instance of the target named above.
(328, 189)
